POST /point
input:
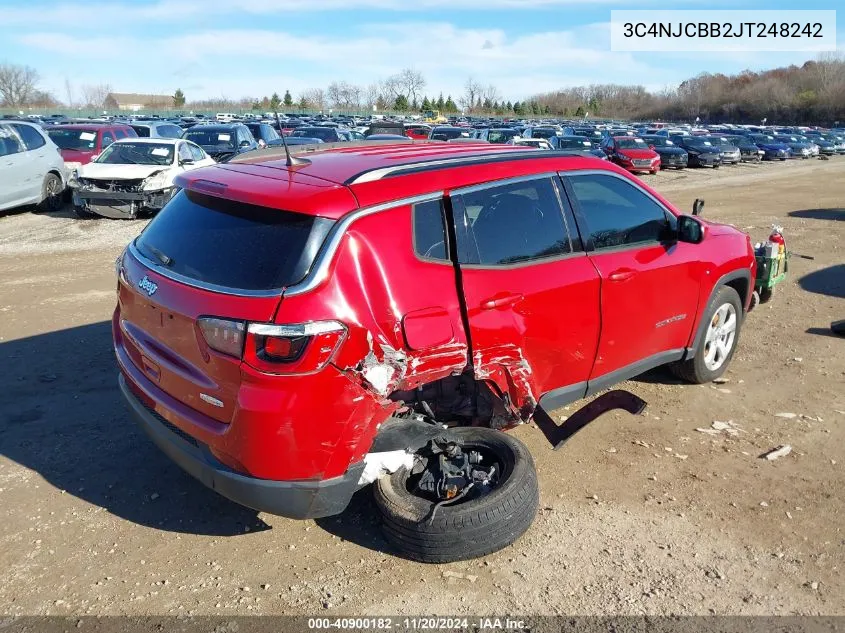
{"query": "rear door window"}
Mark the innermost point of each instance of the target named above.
(512, 223)
(229, 244)
(31, 138)
(9, 141)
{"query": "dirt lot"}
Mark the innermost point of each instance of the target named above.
(639, 514)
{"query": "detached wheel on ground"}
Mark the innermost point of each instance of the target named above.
(52, 190)
(721, 322)
(431, 514)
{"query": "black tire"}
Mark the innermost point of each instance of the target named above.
(52, 191)
(695, 369)
(470, 529)
(766, 294)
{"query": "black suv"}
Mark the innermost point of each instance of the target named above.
(222, 141)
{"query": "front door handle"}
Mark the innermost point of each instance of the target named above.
(501, 301)
(622, 274)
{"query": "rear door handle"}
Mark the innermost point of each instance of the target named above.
(501, 301)
(622, 274)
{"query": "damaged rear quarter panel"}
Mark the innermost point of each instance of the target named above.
(375, 283)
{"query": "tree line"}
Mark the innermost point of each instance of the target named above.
(811, 93)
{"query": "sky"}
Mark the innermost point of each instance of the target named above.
(238, 48)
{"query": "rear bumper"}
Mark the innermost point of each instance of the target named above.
(293, 499)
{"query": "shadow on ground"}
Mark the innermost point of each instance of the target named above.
(820, 214)
(826, 281)
(360, 523)
(62, 416)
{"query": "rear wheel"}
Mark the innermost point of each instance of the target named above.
(722, 322)
(51, 193)
(433, 515)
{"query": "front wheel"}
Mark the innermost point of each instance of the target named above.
(51, 193)
(721, 322)
(483, 518)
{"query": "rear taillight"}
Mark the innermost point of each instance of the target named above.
(275, 349)
(223, 335)
(292, 349)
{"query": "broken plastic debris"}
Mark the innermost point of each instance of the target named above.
(786, 416)
(385, 463)
(776, 453)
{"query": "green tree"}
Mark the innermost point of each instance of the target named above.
(440, 103)
(449, 105)
(401, 104)
(517, 108)
(178, 98)
(415, 107)
(256, 105)
(275, 102)
(288, 99)
(303, 103)
(579, 112)
(426, 105)
(508, 107)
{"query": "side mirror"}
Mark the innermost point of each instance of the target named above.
(186, 161)
(651, 147)
(690, 229)
(697, 206)
(245, 143)
(95, 157)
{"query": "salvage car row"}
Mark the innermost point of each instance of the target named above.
(121, 169)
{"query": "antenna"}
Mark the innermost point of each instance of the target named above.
(291, 161)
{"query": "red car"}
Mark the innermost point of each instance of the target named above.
(631, 153)
(289, 330)
(417, 132)
(79, 143)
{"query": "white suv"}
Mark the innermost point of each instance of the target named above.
(32, 170)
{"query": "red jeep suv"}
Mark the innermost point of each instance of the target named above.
(291, 329)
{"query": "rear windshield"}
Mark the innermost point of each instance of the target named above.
(231, 244)
(212, 137)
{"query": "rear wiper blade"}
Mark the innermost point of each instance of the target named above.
(164, 259)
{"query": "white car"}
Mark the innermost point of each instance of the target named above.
(538, 143)
(133, 175)
(32, 170)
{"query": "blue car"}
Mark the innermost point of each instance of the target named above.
(772, 148)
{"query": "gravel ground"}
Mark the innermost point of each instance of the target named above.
(640, 515)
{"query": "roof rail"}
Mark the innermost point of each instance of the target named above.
(459, 160)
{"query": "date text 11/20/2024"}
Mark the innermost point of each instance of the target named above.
(418, 624)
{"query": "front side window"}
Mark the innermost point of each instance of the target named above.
(617, 213)
(512, 223)
(184, 152)
(196, 153)
(108, 139)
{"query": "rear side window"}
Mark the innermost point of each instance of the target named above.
(430, 231)
(231, 244)
(617, 213)
(142, 130)
(512, 223)
(31, 138)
